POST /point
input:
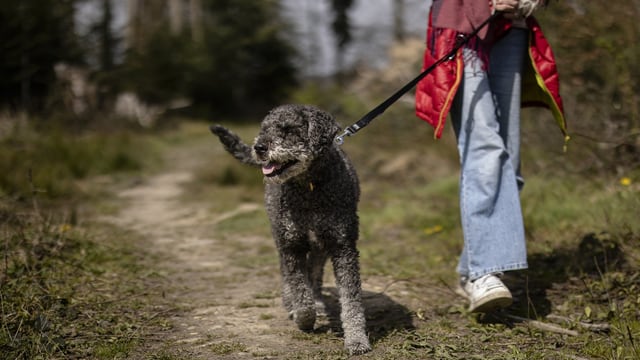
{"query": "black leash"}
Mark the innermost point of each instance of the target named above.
(365, 120)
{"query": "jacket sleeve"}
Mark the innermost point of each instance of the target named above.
(435, 92)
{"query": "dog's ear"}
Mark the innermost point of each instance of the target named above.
(322, 128)
(227, 138)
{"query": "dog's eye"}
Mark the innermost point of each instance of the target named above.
(287, 128)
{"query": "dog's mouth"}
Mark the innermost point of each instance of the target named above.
(275, 169)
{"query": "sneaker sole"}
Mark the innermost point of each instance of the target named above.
(493, 302)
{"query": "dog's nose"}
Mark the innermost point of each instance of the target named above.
(260, 149)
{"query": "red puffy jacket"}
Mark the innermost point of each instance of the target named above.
(435, 93)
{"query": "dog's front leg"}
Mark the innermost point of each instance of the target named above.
(316, 261)
(297, 295)
(347, 272)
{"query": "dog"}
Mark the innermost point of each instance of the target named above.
(311, 196)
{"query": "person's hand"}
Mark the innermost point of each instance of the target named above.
(506, 6)
(513, 9)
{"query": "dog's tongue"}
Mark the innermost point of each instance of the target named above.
(269, 168)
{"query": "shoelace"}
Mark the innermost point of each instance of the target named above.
(488, 281)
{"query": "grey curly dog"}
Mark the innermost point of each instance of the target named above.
(311, 196)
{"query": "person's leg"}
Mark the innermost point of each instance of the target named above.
(505, 78)
(489, 200)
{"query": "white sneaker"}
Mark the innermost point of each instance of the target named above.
(485, 294)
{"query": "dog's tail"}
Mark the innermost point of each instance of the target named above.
(234, 145)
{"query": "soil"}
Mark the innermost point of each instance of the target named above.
(228, 310)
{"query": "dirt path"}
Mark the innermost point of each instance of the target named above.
(227, 294)
(223, 303)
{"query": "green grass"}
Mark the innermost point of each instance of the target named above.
(66, 293)
(68, 288)
(52, 161)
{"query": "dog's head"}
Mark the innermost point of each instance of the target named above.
(291, 137)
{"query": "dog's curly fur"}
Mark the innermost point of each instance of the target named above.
(311, 195)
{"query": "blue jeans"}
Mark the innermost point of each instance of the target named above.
(486, 120)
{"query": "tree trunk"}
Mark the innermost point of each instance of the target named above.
(195, 13)
(175, 16)
(107, 41)
(131, 35)
(398, 20)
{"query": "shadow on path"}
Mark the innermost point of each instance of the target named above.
(383, 314)
(561, 271)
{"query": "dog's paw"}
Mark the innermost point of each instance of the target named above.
(358, 347)
(305, 318)
(321, 309)
(356, 342)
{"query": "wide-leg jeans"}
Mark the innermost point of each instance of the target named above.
(486, 121)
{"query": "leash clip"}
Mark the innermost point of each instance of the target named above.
(349, 131)
(340, 138)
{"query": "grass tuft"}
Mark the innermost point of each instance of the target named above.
(64, 294)
(52, 161)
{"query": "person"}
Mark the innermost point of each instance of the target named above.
(506, 65)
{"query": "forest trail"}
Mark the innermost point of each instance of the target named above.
(226, 293)
(201, 220)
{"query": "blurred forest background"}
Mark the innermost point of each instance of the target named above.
(88, 57)
(90, 60)
(81, 80)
